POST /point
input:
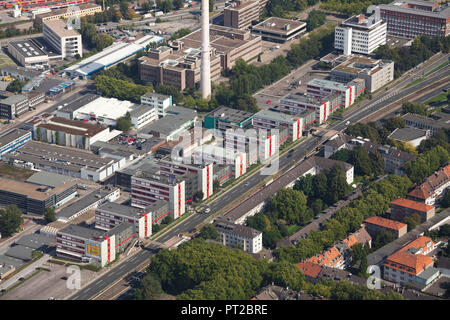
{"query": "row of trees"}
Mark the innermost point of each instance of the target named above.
(315, 19)
(366, 163)
(349, 8)
(12, 31)
(406, 58)
(120, 89)
(280, 8)
(426, 163)
(415, 107)
(205, 271)
(374, 201)
(324, 188)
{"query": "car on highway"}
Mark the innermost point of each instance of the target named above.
(207, 210)
(347, 123)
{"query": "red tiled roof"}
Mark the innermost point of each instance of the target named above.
(420, 243)
(328, 258)
(418, 206)
(437, 179)
(310, 269)
(350, 241)
(386, 223)
(417, 262)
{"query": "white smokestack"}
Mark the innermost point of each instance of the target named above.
(205, 72)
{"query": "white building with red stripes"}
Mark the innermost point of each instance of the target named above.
(111, 214)
(297, 103)
(266, 119)
(321, 88)
(204, 173)
(81, 243)
(258, 144)
(147, 188)
(215, 154)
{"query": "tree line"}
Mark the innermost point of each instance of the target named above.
(405, 58)
(350, 8)
(206, 271)
(374, 201)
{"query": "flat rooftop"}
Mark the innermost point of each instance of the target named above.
(439, 11)
(71, 105)
(82, 6)
(31, 190)
(279, 25)
(60, 28)
(49, 179)
(110, 108)
(237, 229)
(278, 116)
(28, 48)
(67, 158)
(174, 119)
(17, 98)
(12, 135)
(328, 84)
(407, 134)
(76, 207)
(121, 209)
(357, 64)
(82, 232)
(361, 21)
(230, 115)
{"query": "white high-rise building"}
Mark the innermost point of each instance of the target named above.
(64, 39)
(360, 34)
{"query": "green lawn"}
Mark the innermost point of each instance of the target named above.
(440, 97)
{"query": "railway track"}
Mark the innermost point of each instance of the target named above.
(394, 105)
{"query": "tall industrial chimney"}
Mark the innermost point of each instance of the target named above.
(205, 76)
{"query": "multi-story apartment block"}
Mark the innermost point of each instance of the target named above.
(65, 40)
(147, 188)
(85, 244)
(376, 73)
(266, 119)
(249, 239)
(375, 224)
(142, 116)
(433, 188)
(320, 88)
(84, 9)
(417, 121)
(219, 155)
(203, 171)
(412, 18)
(110, 214)
(360, 34)
(323, 107)
(401, 208)
(411, 264)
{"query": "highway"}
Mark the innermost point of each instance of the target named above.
(285, 161)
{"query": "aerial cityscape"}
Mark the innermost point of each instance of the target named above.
(250, 150)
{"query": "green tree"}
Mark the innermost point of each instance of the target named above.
(338, 187)
(412, 220)
(123, 124)
(362, 161)
(315, 19)
(49, 214)
(382, 238)
(209, 232)
(15, 86)
(394, 122)
(417, 108)
(149, 288)
(10, 220)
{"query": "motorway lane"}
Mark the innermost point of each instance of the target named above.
(117, 273)
(285, 161)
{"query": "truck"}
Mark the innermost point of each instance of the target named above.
(159, 13)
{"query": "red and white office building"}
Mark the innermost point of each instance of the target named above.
(204, 173)
(111, 214)
(81, 243)
(214, 154)
(258, 144)
(323, 107)
(147, 188)
(320, 88)
(266, 119)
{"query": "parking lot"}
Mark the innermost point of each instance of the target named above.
(271, 95)
(47, 284)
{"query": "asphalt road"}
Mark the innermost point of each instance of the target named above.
(284, 162)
